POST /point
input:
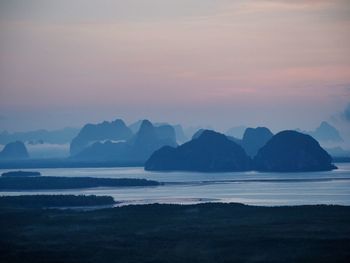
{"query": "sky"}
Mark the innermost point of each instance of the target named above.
(281, 64)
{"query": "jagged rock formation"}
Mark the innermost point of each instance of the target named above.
(326, 133)
(137, 149)
(92, 133)
(14, 151)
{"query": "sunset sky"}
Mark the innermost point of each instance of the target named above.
(282, 64)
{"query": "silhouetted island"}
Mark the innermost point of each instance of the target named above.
(20, 174)
(47, 201)
(210, 152)
(137, 149)
(60, 136)
(254, 139)
(91, 133)
(14, 151)
(53, 182)
(292, 151)
(326, 133)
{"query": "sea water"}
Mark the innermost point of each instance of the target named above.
(253, 188)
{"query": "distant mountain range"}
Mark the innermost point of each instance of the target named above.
(91, 133)
(60, 136)
(156, 146)
(325, 133)
(117, 131)
(179, 132)
(135, 148)
(338, 152)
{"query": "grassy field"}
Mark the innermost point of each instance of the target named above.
(174, 233)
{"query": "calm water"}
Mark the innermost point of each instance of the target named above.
(244, 187)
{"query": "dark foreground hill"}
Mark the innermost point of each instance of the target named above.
(173, 233)
(208, 152)
(292, 151)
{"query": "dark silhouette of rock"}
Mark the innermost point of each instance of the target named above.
(198, 133)
(179, 132)
(137, 149)
(210, 152)
(254, 139)
(166, 132)
(105, 151)
(92, 133)
(20, 174)
(150, 138)
(14, 151)
(291, 151)
(326, 133)
(191, 130)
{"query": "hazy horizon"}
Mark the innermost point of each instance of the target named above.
(281, 64)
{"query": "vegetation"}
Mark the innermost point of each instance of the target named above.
(62, 163)
(52, 182)
(20, 174)
(174, 233)
(35, 201)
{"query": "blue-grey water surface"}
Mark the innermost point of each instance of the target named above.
(252, 188)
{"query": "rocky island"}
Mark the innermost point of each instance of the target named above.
(209, 152)
(292, 151)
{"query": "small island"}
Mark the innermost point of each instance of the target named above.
(54, 201)
(20, 174)
(53, 182)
